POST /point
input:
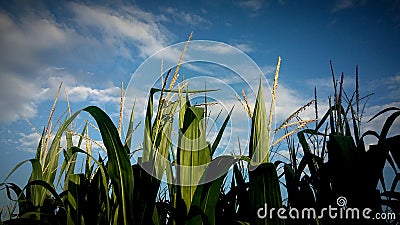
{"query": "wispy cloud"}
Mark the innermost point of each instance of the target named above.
(25, 39)
(94, 95)
(18, 98)
(217, 48)
(390, 85)
(135, 26)
(340, 5)
(185, 18)
(28, 142)
(393, 87)
(21, 97)
(253, 5)
(39, 52)
(245, 47)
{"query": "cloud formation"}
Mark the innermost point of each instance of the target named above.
(35, 44)
(253, 5)
(340, 5)
(185, 18)
(18, 98)
(140, 27)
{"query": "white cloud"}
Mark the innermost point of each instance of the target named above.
(244, 47)
(24, 39)
(186, 18)
(288, 101)
(18, 98)
(346, 4)
(93, 95)
(216, 48)
(39, 52)
(396, 78)
(325, 84)
(392, 86)
(281, 2)
(268, 70)
(253, 5)
(28, 142)
(342, 4)
(135, 26)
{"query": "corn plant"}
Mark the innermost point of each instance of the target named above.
(244, 198)
(340, 166)
(112, 190)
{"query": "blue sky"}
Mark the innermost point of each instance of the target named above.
(94, 46)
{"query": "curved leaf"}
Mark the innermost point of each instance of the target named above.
(206, 195)
(119, 167)
(383, 111)
(388, 123)
(220, 133)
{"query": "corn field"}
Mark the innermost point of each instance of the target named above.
(330, 161)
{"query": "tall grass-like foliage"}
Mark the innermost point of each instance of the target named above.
(112, 191)
(339, 164)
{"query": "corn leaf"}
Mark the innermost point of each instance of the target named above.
(220, 133)
(163, 140)
(129, 132)
(51, 163)
(259, 138)
(194, 152)
(76, 204)
(98, 194)
(119, 167)
(145, 192)
(264, 189)
(207, 193)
